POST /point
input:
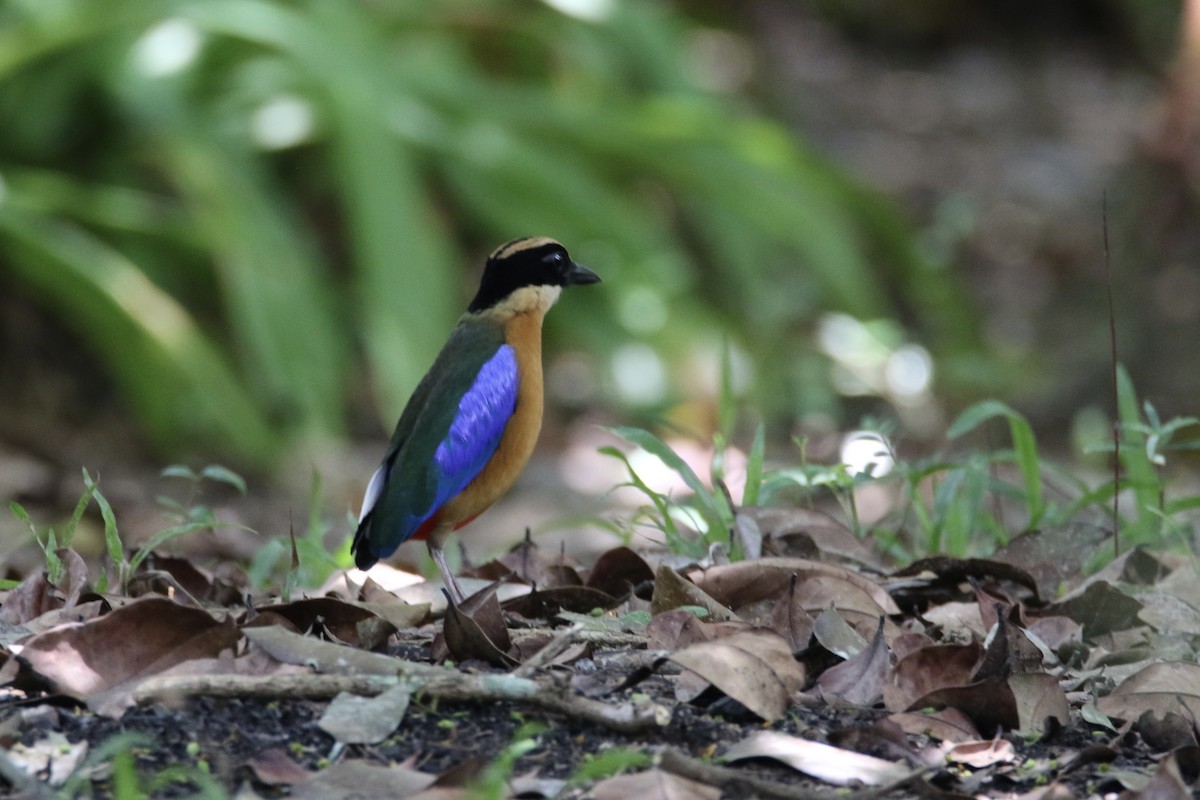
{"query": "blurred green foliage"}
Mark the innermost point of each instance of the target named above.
(245, 206)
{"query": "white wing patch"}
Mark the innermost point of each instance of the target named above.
(374, 489)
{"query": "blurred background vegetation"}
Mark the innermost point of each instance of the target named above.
(242, 228)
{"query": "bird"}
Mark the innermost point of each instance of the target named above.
(470, 426)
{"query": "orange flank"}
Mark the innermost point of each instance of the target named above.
(524, 333)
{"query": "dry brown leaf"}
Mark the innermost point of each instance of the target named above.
(1168, 613)
(355, 779)
(36, 596)
(789, 619)
(1038, 697)
(475, 629)
(1166, 687)
(947, 725)
(653, 784)
(1168, 782)
(1100, 608)
(342, 620)
(112, 653)
(618, 571)
(545, 604)
(543, 569)
(755, 668)
(748, 582)
(825, 591)
(672, 630)
(821, 761)
(928, 669)
(791, 532)
(1053, 557)
(275, 767)
(859, 679)
(990, 704)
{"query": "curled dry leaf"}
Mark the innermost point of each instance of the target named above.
(672, 590)
(36, 596)
(859, 679)
(980, 754)
(476, 630)
(344, 621)
(783, 530)
(755, 668)
(821, 761)
(618, 571)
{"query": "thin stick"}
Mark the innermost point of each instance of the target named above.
(1116, 399)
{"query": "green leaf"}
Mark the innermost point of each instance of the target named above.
(1024, 448)
(711, 504)
(180, 471)
(754, 468)
(112, 539)
(215, 472)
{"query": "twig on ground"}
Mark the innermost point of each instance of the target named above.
(446, 685)
(739, 782)
(552, 650)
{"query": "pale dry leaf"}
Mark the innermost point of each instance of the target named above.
(355, 779)
(821, 761)
(328, 657)
(52, 759)
(836, 636)
(956, 616)
(1038, 697)
(352, 719)
(946, 725)
(979, 754)
(1172, 686)
(653, 784)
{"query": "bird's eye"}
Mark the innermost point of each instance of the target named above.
(554, 258)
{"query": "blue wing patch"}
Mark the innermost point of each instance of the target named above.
(483, 413)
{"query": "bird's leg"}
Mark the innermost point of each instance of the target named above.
(435, 543)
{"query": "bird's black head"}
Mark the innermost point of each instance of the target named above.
(533, 263)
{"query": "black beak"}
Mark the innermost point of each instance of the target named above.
(577, 274)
